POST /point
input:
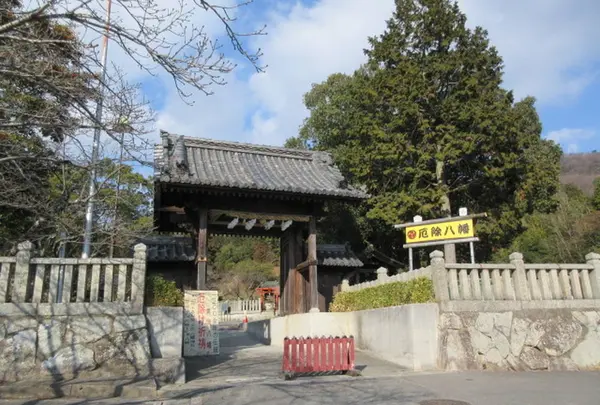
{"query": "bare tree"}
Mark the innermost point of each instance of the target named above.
(50, 86)
(50, 49)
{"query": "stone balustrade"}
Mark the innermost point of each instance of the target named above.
(67, 317)
(56, 285)
(384, 278)
(518, 281)
(513, 281)
(241, 306)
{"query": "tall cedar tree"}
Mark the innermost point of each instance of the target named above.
(426, 126)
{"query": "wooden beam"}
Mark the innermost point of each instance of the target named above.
(202, 253)
(306, 264)
(312, 257)
(253, 205)
(174, 209)
(240, 231)
(214, 215)
(257, 225)
(266, 216)
(233, 223)
(250, 224)
(227, 193)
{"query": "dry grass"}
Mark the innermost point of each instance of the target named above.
(580, 169)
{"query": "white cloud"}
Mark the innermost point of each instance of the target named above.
(548, 46)
(570, 135)
(303, 47)
(219, 116)
(570, 138)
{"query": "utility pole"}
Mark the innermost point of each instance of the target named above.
(111, 248)
(89, 214)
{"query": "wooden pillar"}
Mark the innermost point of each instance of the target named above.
(282, 277)
(293, 273)
(201, 256)
(288, 286)
(299, 295)
(312, 256)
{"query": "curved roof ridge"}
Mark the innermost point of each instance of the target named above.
(191, 141)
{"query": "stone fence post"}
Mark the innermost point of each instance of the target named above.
(138, 276)
(520, 277)
(382, 275)
(593, 259)
(22, 272)
(439, 276)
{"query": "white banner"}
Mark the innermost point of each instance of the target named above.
(200, 323)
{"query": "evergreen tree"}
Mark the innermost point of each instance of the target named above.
(426, 126)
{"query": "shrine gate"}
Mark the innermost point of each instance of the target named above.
(206, 187)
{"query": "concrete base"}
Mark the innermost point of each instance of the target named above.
(165, 326)
(406, 335)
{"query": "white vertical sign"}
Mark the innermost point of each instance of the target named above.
(201, 323)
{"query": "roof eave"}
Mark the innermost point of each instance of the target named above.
(343, 195)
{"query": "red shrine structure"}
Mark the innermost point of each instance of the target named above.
(268, 291)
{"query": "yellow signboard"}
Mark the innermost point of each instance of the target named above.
(453, 229)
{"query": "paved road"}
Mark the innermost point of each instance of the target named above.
(246, 373)
(472, 388)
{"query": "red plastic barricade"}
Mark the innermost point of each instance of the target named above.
(318, 355)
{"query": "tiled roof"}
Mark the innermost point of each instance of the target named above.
(337, 256)
(169, 248)
(205, 162)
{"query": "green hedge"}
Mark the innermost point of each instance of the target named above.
(415, 291)
(162, 293)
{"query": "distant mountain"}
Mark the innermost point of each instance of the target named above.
(580, 169)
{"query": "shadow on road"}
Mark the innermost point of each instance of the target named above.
(240, 358)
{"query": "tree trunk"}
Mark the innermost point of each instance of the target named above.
(202, 251)
(449, 249)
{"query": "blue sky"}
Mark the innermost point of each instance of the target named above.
(549, 47)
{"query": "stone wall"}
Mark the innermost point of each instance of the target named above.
(534, 339)
(63, 347)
